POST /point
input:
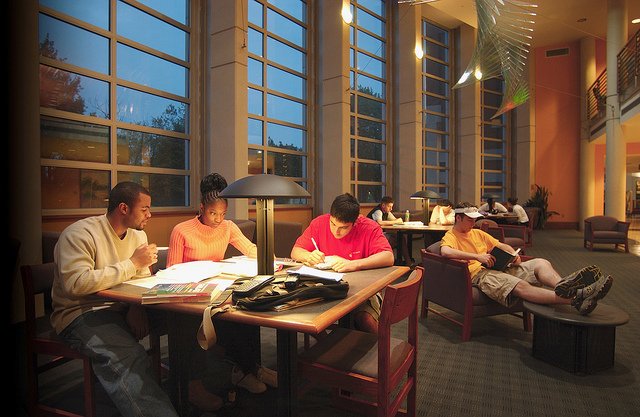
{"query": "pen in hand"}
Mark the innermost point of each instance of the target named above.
(315, 245)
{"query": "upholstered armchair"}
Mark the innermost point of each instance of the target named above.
(606, 229)
(447, 283)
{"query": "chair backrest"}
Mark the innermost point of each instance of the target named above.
(491, 227)
(36, 279)
(400, 300)
(602, 222)
(248, 228)
(286, 234)
(49, 240)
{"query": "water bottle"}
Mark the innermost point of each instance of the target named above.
(406, 216)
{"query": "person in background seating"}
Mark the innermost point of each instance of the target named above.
(442, 213)
(354, 243)
(383, 215)
(512, 205)
(206, 237)
(493, 207)
(94, 254)
(522, 280)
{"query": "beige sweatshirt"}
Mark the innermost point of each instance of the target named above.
(90, 257)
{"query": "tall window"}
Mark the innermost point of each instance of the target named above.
(436, 110)
(368, 84)
(278, 90)
(114, 100)
(494, 140)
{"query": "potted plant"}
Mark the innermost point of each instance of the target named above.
(540, 199)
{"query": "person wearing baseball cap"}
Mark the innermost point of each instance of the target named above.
(534, 280)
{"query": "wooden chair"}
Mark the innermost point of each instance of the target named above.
(376, 366)
(42, 341)
(447, 283)
(606, 229)
(45, 350)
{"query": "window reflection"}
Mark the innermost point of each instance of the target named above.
(73, 45)
(75, 141)
(65, 188)
(151, 150)
(146, 109)
(64, 90)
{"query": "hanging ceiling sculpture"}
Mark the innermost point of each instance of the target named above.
(505, 31)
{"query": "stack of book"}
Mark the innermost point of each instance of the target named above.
(193, 292)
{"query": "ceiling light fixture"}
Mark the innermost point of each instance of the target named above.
(635, 21)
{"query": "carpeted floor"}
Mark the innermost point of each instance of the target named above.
(494, 373)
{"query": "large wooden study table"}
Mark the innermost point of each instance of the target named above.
(313, 319)
(435, 232)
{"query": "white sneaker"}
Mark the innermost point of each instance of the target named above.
(268, 376)
(247, 381)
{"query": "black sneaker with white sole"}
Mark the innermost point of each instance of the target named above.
(581, 278)
(586, 298)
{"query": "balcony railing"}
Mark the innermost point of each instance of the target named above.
(597, 98)
(628, 81)
(629, 68)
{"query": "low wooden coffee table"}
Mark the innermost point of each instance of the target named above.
(573, 342)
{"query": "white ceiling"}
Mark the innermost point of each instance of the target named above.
(556, 24)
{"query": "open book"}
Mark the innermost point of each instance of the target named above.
(503, 258)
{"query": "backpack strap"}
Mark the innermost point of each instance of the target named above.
(207, 332)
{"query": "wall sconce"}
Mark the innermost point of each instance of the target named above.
(418, 51)
(347, 16)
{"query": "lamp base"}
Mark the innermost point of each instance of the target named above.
(264, 240)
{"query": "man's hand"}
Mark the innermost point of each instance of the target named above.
(137, 321)
(314, 257)
(486, 259)
(145, 255)
(399, 220)
(343, 265)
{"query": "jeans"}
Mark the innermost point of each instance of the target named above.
(120, 363)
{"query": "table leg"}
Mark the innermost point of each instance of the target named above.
(287, 344)
(400, 249)
(178, 373)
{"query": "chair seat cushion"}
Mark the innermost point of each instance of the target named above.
(355, 351)
(479, 298)
(607, 235)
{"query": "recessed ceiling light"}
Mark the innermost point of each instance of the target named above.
(635, 21)
(582, 20)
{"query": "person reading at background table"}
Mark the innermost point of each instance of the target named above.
(206, 237)
(94, 254)
(350, 242)
(493, 207)
(522, 280)
(512, 205)
(442, 213)
(383, 215)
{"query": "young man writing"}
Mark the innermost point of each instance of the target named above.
(354, 243)
(582, 289)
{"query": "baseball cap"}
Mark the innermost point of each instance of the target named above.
(469, 211)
